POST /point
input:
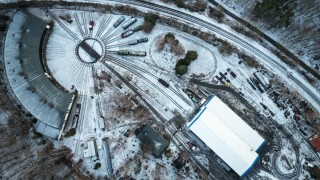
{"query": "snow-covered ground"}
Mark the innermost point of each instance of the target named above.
(70, 71)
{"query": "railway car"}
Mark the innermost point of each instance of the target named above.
(264, 81)
(133, 42)
(101, 122)
(66, 18)
(77, 111)
(223, 164)
(127, 33)
(118, 22)
(222, 75)
(138, 28)
(75, 122)
(138, 53)
(142, 40)
(91, 24)
(163, 82)
(264, 106)
(260, 88)
(252, 86)
(232, 73)
(129, 23)
(132, 53)
(124, 52)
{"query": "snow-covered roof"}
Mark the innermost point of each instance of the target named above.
(227, 135)
(25, 72)
(146, 134)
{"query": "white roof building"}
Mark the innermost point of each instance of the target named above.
(234, 141)
(90, 151)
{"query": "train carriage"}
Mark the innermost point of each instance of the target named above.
(163, 82)
(133, 42)
(127, 33)
(129, 23)
(75, 122)
(118, 22)
(131, 53)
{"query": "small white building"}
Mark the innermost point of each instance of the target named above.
(90, 151)
(233, 140)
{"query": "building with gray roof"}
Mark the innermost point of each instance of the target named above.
(27, 77)
(147, 134)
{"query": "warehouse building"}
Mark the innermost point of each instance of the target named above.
(222, 130)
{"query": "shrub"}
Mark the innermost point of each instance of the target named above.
(226, 48)
(182, 64)
(97, 166)
(191, 55)
(180, 4)
(150, 17)
(4, 17)
(275, 12)
(3, 27)
(147, 27)
(315, 172)
(181, 70)
(250, 61)
(169, 36)
(70, 133)
(149, 22)
(168, 153)
(216, 14)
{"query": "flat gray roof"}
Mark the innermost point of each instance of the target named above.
(149, 135)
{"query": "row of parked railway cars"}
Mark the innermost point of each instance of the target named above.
(131, 53)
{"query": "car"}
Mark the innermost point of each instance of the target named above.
(214, 80)
(192, 146)
(142, 40)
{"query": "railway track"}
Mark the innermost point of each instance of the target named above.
(179, 140)
(135, 91)
(250, 48)
(276, 169)
(76, 17)
(120, 61)
(128, 68)
(86, 30)
(105, 22)
(112, 40)
(108, 37)
(55, 18)
(83, 99)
